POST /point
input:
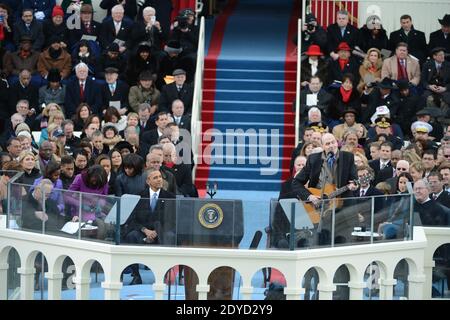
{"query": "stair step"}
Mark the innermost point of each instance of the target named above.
(248, 95)
(246, 106)
(246, 173)
(235, 116)
(232, 184)
(251, 64)
(247, 84)
(255, 74)
(248, 125)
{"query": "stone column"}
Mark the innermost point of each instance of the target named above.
(326, 291)
(82, 287)
(293, 293)
(417, 289)
(26, 283)
(246, 293)
(159, 288)
(112, 290)
(202, 291)
(387, 288)
(4, 281)
(428, 271)
(54, 285)
(357, 290)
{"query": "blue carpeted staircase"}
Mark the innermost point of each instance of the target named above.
(248, 90)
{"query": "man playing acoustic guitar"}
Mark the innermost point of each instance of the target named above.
(330, 167)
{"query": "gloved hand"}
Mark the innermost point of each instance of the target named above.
(140, 2)
(39, 15)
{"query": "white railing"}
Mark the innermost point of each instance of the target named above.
(297, 85)
(196, 123)
(292, 264)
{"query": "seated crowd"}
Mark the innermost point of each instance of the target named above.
(125, 84)
(386, 102)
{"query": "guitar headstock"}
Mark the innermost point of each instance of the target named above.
(365, 179)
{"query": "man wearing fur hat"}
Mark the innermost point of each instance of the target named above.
(441, 38)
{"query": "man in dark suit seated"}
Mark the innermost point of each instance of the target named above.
(114, 91)
(35, 216)
(328, 167)
(29, 26)
(441, 37)
(341, 31)
(82, 89)
(182, 120)
(385, 158)
(438, 193)
(24, 90)
(153, 219)
(178, 89)
(365, 190)
(116, 30)
(149, 138)
(316, 95)
(436, 80)
(87, 27)
(431, 212)
(415, 39)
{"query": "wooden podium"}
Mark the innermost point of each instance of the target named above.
(207, 223)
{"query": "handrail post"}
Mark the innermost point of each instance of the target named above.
(297, 93)
(197, 99)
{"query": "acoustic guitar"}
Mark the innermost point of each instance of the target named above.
(331, 193)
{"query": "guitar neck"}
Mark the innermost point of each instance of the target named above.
(338, 192)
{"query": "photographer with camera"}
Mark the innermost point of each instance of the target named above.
(313, 33)
(436, 80)
(185, 31)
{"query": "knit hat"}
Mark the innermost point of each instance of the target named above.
(57, 11)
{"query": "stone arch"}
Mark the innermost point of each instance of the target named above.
(263, 277)
(221, 282)
(178, 275)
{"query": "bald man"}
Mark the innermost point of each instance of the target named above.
(328, 167)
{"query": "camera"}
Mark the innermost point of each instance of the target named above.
(183, 22)
(310, 26)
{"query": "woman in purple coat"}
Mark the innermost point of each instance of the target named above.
(93, 184)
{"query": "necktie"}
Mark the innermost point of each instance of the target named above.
(434, 196)
(331, 162)
(342, 32)
(87, 26)
(362, 193)
(112, 88)
(117, 26)
(153, 201)
(82, 91)
(383, 165)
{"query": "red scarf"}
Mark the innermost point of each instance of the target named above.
(372, 69)
(342, 63)
(169, 164)
(345, 94)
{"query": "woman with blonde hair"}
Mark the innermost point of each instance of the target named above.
(416, 170)
(27, 160)
(370, 69)
(56, 117)
(43, 118)
(410, 155)
(360, 159)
